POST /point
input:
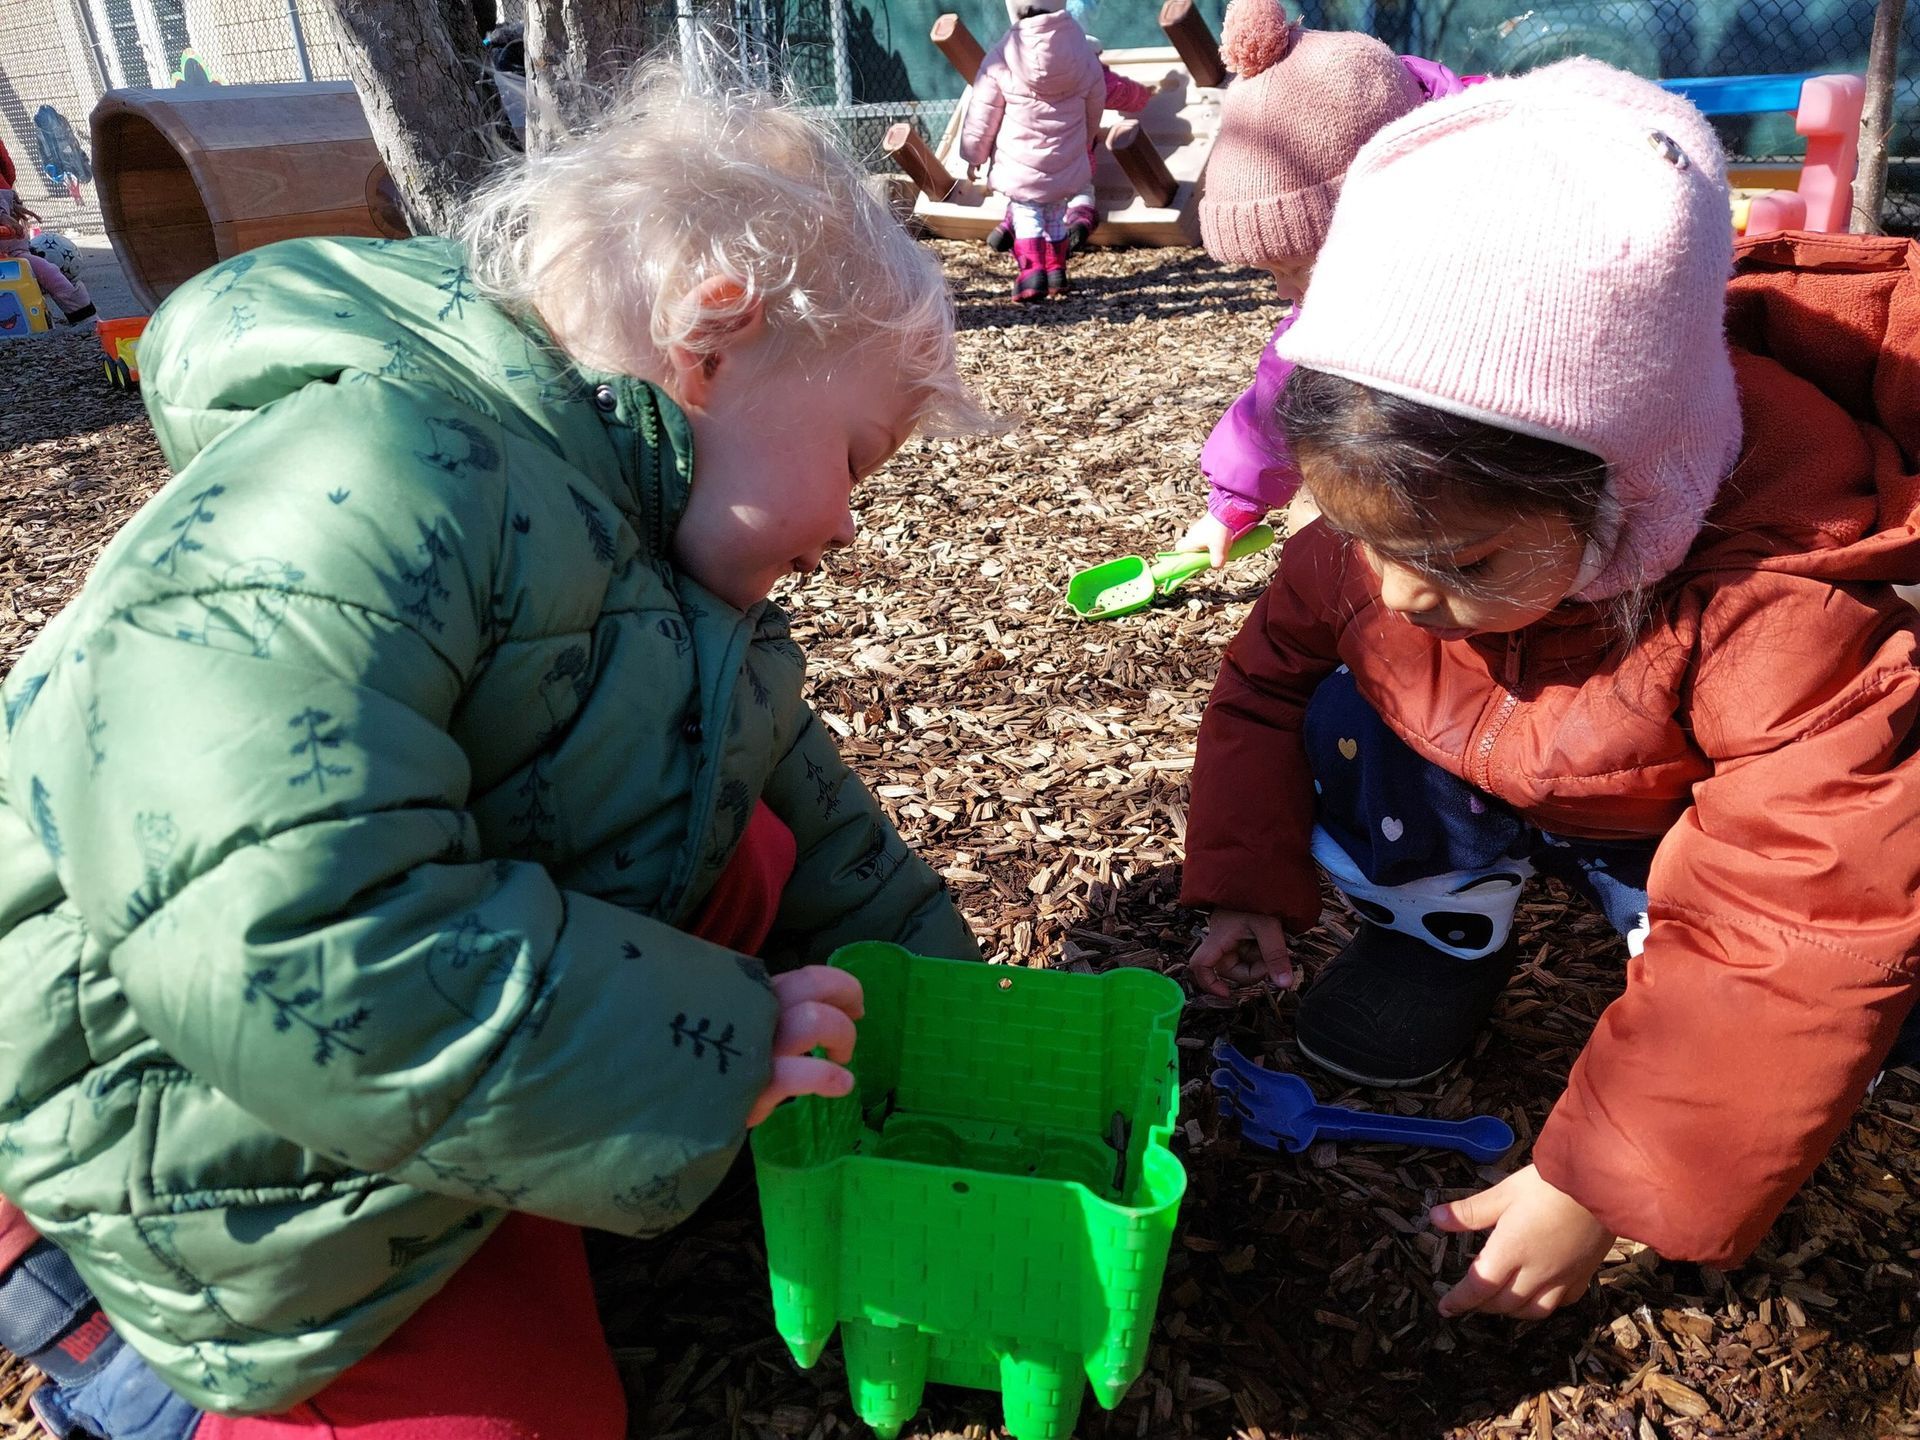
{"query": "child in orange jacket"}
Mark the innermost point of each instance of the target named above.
(1595, 595)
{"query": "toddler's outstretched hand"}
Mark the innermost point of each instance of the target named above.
(1544, 1248)
(1210, 535)
(818, 1005)
(1241, 949)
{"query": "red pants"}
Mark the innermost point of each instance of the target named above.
(512, 1348)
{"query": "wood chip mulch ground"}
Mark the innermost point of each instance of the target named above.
(1041, 765)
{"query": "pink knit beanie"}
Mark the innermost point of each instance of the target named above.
(1549, 254)
(1303, 104)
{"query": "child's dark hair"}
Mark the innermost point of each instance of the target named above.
(1423, 460)
(1372, 455)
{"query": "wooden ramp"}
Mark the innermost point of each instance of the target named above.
(1146, 168)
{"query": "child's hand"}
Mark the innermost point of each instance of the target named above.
(1210, 535)
(1240, 949)
(1544, 1248)
(818, 1005)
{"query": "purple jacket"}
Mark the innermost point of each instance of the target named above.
(1248, 467)
(1036, 111)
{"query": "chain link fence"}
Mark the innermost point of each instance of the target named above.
(868, 63)
(58, 57)
(1663, 39)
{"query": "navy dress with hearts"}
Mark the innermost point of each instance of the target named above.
(1417, 849)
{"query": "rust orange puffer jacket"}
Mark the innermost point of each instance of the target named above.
(1766, 723)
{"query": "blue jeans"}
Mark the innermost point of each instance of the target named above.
(97, 1384)
(1417, 849)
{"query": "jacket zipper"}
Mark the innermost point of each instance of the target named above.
(1481, 768)
(650, 435)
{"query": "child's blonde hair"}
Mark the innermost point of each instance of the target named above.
(681, 183)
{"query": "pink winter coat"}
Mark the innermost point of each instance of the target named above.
(1036, 110)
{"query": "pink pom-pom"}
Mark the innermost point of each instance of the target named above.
(1255, 36)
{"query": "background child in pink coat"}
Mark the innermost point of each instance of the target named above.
(1035, 110)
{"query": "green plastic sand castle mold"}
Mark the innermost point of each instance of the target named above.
(993, 1203)
(1124, 586)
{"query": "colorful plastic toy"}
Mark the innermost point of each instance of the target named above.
(993, 1204)
(1826, 109)
(1123, 587)
(23, 309)
(121, 340)
(1277, 1110)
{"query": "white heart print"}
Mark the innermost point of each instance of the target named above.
(1391, 828)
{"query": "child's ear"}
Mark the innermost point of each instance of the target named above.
(725, 320)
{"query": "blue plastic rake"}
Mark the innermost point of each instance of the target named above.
(1277, 1110)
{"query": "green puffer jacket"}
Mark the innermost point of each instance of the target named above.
(348, 816)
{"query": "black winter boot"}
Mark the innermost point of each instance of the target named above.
(1390, 1010)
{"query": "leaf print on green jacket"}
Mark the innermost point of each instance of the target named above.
(340, 887)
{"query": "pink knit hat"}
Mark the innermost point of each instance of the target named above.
(1550, 254)
(1303, 105)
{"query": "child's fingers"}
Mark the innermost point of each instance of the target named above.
(1476, 1212)
(814, 1024)
(1481, 1289)
(799, 1075)
(1277, 972)
(1204, 964)
(822, 983)
(1538, 1307)
(1276, 960)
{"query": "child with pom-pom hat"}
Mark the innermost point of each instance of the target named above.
(1302, 104)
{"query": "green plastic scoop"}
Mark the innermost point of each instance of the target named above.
(1121, 587)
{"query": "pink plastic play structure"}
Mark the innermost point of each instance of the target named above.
(1829, 116)
(1826, 109)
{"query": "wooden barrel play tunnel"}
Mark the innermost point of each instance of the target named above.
(192, 175)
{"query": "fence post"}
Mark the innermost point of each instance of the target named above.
(1870, 188)
(102, 77)
(842, 76)
(299, 40)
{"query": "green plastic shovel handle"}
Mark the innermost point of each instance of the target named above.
(1173, 568)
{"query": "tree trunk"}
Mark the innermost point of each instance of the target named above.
(417, 87)
(576, 51)
(1870, 182)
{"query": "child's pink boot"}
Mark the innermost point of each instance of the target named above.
(1081, 220)
(1054, 258)
(1031, 283)
(1000, 237)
